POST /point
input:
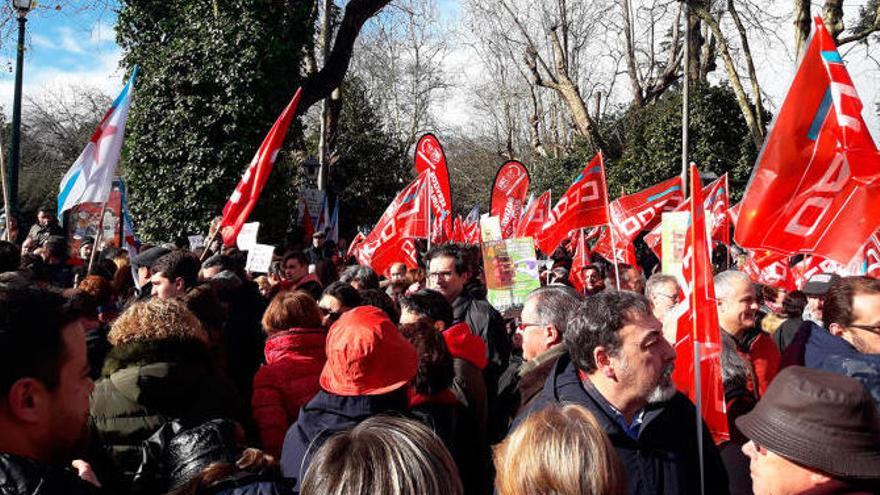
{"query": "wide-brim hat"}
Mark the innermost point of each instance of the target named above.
(367, 355)
(818, 419)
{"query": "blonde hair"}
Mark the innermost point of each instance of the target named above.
(560, 450)
(156, 319)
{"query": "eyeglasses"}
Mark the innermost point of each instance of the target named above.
(521, 326)
(440, 275)
(867, 328)
(674, 298)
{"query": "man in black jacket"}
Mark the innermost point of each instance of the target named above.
(44, 393)
(619, 367)
(448, 272)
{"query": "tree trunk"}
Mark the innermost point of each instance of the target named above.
(742, 99)
(750, 63)
(801, 26)
(631, 64)
(832, 15)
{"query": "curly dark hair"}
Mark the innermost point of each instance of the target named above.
(597, 322)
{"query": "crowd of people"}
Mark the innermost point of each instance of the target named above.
(177, 371)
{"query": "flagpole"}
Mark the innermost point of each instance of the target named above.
(430, 204)
(7, 234)
(614, 255)
(208, 243)
(96, 247)
(684, 100)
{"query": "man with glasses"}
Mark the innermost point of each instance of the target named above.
(448, 271)
(851, 345)
(663, 292)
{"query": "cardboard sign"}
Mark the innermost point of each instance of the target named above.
(247, 237)
(259, 258)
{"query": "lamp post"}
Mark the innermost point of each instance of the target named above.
(22, 7)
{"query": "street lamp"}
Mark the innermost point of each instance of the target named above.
(22, 7)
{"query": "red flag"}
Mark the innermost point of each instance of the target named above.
(581, 260)
(458, 231)
(247, 192)
(636, 212)
(308, 227)
(872, 257)
(355, 243)
(815, 184)
(716, 201)
(508, 195)
(698, 326)
(585, 204)
(624, 250)
(770, 268)
(405, 217)
(430, 157)
(534, 217)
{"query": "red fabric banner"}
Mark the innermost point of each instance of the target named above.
(508, 195)
(770, 268)
(430, 157)
(698, 326)
(580, 260)
(585, 204)
(716, 200)
(534, 217)
(247, 192)
(816, 182)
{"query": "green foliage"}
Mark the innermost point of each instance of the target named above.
(213, 78)
(557, 174)
(371, 166)
(648, 141)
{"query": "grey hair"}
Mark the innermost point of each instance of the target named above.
(383, 454)
(364, 274)
(554, 304)
(724, 282)
(657, 281)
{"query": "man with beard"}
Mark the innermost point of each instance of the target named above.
(619, 366)
(398, 281)
(44, 394)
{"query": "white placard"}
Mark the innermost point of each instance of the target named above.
(259, 258)
(247, 236)
(196, 241)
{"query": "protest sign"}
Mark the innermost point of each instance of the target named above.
(511, 271)
(259, 258)
(196, 241)
(247, 237)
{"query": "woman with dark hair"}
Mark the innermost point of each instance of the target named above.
(433, 402)
(294, 358)
(793, 309)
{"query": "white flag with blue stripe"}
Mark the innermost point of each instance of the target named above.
(90, 178)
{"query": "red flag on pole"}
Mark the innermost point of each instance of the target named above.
(308, 226)
(769, 268)
(247, 192)
(430, 157)
(699, 334)
(716, 200)
(355, 244)
(585, 204)
(508, 195)
(580, 261)
(816, 182)
(534, 217)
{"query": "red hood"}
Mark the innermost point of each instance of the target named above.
(446, 398)
(463, 344)
(301, 344)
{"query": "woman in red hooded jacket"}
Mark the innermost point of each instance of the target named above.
(294, 358)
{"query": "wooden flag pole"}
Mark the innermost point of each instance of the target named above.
(98, 237)
(7, 234)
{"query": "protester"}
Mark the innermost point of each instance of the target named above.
(174, 274)
(295, 268)
(58, 262)
(468, 350)
(851, 344)
(433, 402)
(325, 270)
(619, 367)
(379, 299)
(631, 278)
(792, 309)
(813, 432)
(85, 249)
(594, 279)
(252, 473)
(143, 264)
(383, 455)
(398, 281)
(294, 360)
(749, 362)
(360, 277)
(448, 272)
(544, 318)
(44, 394)
(664, 293)
(159, 369)
(338, 298)
(815, 289)
(46, 227)
(560, 450)
(368, 367)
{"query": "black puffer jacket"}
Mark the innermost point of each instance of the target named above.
(24, 476)
(147, 384)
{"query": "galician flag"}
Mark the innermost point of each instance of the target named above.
(90, 178)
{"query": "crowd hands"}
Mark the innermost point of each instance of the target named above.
(174, 371)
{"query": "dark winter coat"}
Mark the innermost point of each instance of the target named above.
(325, 415)
(25, 476)
(664, 458)
(784, 335)
(149, 383)
(532, 376)
(288, 380)
(829, 352)
(468, 361)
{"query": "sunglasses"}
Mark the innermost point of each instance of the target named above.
(331, 316)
